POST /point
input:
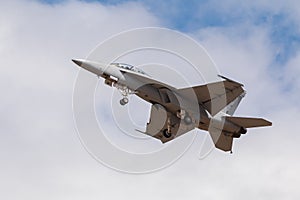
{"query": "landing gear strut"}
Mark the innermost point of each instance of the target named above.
(125, 91)
(183, 115)
(167, 132)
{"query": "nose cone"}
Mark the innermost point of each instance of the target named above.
(90, 66)
(77, 62)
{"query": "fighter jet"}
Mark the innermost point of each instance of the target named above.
(176, 111)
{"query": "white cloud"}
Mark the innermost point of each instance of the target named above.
(41, 156)
(268, 155)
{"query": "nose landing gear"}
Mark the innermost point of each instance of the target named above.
(124, 101)
(125, 91)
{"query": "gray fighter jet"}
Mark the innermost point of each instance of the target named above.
(177, 111)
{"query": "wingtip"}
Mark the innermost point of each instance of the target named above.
(230, 80)
(268, 123)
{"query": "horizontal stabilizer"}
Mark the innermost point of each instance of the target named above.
(247, 122)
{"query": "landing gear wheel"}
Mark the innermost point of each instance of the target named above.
(124, 101)
(187, 120)
(166, 133)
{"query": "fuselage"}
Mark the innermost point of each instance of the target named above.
(128, 77)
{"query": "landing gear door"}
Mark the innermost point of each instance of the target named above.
(165, 126)
(157, 121)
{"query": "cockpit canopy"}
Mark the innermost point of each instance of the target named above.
(129, 67)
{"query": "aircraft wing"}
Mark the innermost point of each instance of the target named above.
(145, 79)
(158, 123)
(213, 96)
(216, 96)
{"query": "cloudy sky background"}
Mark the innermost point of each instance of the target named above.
(255, 42)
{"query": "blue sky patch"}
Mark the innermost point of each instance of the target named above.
(189, 16)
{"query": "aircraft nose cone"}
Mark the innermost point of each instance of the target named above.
(77, 62)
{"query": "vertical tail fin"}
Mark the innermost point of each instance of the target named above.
(231, 108)
(221, 140)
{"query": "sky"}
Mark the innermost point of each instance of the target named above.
(254, 42)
